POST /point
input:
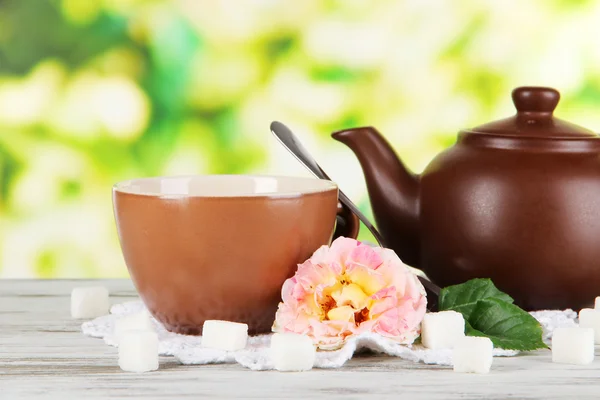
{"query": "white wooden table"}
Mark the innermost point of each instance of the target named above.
(43, 354)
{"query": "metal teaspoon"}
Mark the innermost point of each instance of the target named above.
(293, 145)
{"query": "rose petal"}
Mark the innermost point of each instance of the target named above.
(287, 289)
(370, 280)
(341, 248)
(366, 256)
(343, 313)
(352, 295)
(310, 274)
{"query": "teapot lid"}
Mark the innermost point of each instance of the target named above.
(534, 117)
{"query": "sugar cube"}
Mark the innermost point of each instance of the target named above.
(89, 302)
(292, 352)
(138, 351)
(224, 335)
(473, 355)
(137, 321)
(590, 318)
(573, 346)
(597, 303)
(442, 330)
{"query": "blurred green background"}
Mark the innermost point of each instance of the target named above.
(93, 92)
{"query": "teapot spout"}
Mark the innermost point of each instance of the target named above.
(393, 191)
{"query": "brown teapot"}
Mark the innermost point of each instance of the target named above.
(515, 200)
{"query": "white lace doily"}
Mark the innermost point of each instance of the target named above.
(188, 349)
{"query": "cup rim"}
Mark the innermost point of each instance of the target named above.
(316, 186)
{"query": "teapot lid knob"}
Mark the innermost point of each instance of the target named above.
(535, 99)
(534, 119)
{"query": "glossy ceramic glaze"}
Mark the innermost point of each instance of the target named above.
(220, 247)
(516, 200)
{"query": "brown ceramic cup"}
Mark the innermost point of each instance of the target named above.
(220, 246)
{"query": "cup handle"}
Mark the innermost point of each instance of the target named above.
(347, 223)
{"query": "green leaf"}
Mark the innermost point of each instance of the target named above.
(508, 326)
(489, 312)
(463, 298)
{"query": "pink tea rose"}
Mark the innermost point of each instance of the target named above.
(350, 288)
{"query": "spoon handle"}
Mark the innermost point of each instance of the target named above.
(293, 145)
(348, 203)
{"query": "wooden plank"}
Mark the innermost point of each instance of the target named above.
(43, 353)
